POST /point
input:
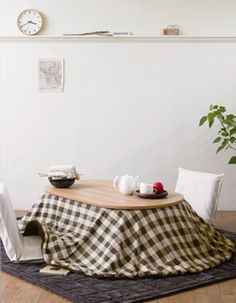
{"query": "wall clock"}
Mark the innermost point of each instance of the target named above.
(30, 22)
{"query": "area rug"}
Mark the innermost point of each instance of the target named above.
(81, 289)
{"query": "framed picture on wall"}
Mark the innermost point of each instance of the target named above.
(51, 75)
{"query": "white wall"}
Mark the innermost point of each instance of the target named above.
(127, 107)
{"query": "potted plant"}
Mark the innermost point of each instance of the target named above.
(226, 137)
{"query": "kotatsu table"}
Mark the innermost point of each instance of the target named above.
(92, 229)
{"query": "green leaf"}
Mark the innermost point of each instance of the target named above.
(219, 149)
(222, 146)
(228, 122)
(225, 134)
(232, 160)
(211, 107)
(203, 120)
(220, 117)
(231, 116)
(217, 140)
(211, 118)
(223, 130)
(222, 109)
(232, 131)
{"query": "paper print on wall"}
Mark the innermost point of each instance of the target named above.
(51, 75)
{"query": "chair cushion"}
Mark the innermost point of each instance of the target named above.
(201, 190)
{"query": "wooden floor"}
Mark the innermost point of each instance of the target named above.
(16, 291)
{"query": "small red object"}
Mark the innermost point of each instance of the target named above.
(158, 187)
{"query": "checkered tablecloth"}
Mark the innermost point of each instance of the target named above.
(125, 243)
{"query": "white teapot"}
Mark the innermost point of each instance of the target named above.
(125, 184)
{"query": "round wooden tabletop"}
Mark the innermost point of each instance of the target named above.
(102, 194)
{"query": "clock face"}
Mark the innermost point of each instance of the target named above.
(30, 22)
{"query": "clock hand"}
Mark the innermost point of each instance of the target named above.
(27, 23)
(24, 24)
(32, 22)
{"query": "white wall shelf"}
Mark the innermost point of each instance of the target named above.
(158, 39)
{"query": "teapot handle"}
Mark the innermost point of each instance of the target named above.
(115, 181)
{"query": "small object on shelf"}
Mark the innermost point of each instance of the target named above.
(171, 30)
(103, 33)
(30, 22)
(123, 34)
(98, 33)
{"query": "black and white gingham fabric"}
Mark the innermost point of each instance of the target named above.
(126, 243)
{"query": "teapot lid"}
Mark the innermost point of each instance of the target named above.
(127, 176)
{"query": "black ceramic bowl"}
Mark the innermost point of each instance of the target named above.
(62, 183)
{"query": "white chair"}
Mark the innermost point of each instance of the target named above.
(17, 247)
(201, 190)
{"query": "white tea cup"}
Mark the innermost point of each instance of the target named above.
(145, 188)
